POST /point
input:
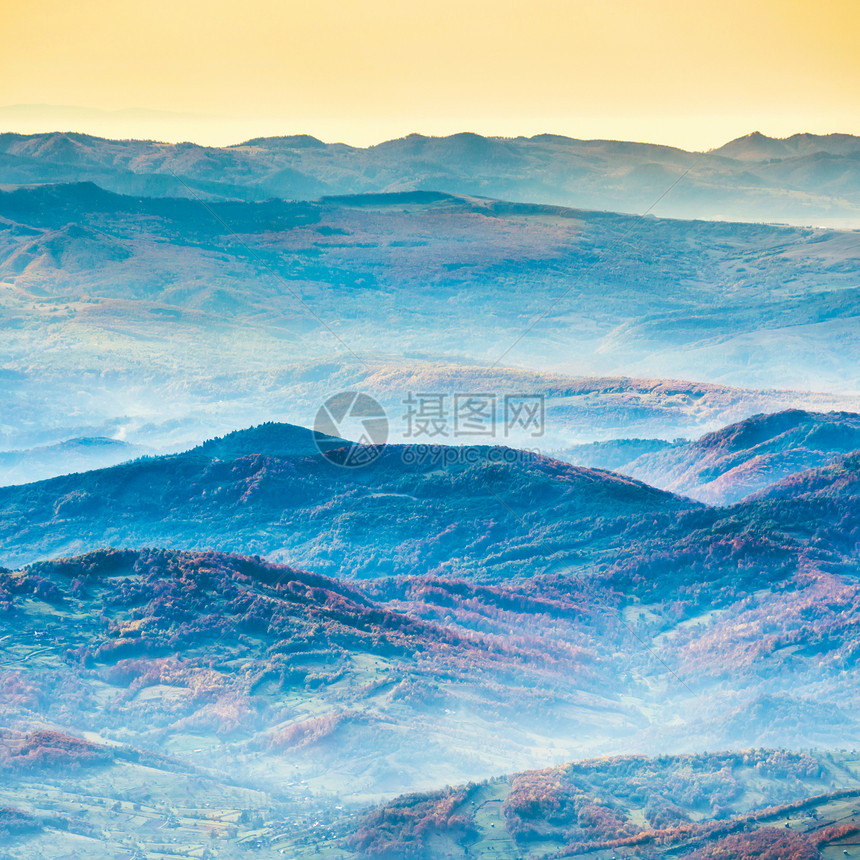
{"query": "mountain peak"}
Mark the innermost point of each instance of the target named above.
(289, 141)
(756, 146)
(272, 439)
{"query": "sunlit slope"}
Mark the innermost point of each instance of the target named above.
(407, 258)
(151, 312)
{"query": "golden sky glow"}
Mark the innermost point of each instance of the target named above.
(693, 73)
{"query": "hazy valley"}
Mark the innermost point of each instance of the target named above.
(164, 321)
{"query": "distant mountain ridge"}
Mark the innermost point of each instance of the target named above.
(759, 147)
(737, 461)
(73, 455)
(802, 179)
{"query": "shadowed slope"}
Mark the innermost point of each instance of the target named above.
(491, 512)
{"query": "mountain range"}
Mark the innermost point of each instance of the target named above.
(805, 179)
(519, 610)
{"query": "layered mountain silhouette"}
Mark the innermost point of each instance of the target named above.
(805, 178)
(72, 455)
(248, 646)
(480, 509)
(523, 609)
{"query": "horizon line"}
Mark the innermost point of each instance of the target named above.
(335, 142)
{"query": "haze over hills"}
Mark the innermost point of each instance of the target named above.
(524, 513)
(757, 803)
(722, 627)
(805, 179)
(132, 312)
(196, 654)
(520, 611)
(835, 480)
(481, 509)
(71, 455)
(698, 806)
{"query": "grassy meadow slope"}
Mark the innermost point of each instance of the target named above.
(757, 803)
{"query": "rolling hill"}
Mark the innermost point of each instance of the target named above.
(488, 510)
(286, 701)
(247, 647)
(281, 674)
(70, 455)
(485, 512)
(491, 612)
(169, 321)
(839, 479)
(757, 803)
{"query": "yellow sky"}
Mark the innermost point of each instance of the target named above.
(692, 73)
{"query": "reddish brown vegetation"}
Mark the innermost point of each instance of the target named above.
(49, 750)
(766, 843)
(402, 828)
(13, 823)
(309, 732)
(564, 803)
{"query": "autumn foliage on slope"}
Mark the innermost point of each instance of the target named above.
(771, 843)
(404, 827)
(588, 802)
(49, 750)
